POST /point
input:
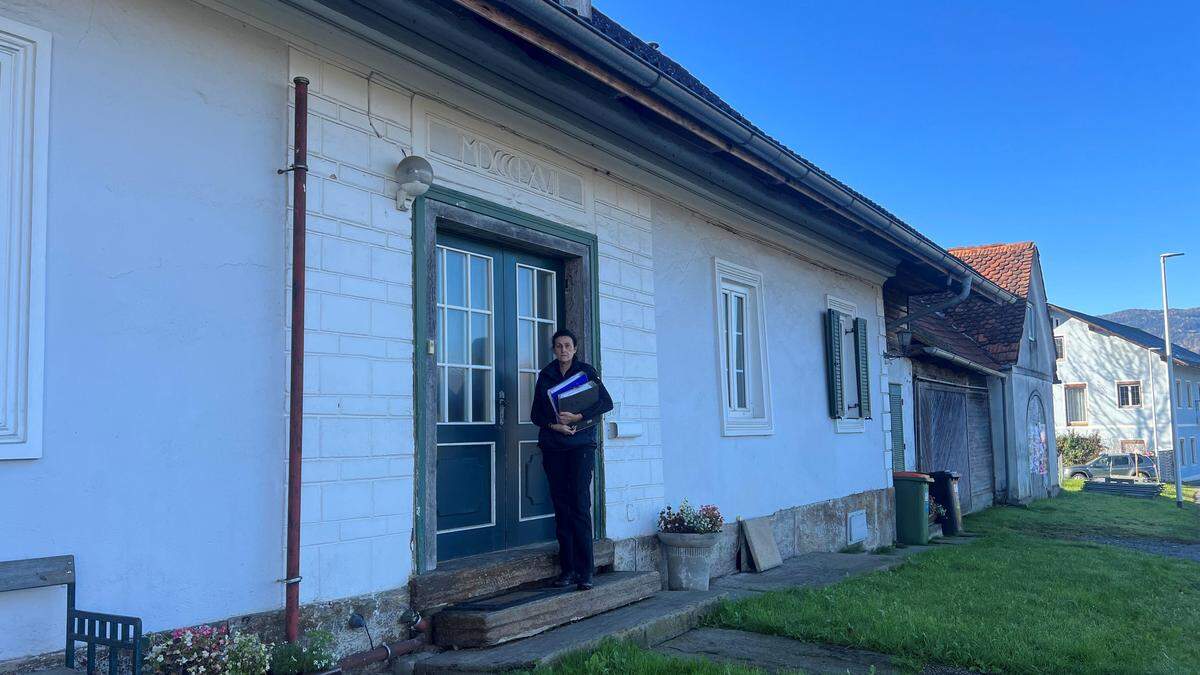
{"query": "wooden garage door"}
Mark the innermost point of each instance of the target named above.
(955, 435)
(979, 442)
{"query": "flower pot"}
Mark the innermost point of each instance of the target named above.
(689, 559)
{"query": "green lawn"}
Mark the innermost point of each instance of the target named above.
(1074, 513)
(618, 658)
(1018, 599)
(1026, 596)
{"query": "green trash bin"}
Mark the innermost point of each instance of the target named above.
(912, 507)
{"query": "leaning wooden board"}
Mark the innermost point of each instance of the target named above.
(760, 540)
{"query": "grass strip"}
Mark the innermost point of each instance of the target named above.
(614, 657)
(1075, 513)
(1009, 602)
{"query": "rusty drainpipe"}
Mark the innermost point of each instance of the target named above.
(299, 171)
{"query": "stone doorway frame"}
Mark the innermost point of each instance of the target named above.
(452, 211)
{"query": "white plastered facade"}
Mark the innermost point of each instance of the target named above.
(167, 317)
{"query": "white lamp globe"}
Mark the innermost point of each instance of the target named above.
(415, 176)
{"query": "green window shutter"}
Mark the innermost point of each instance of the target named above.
(861, 342)
(833, 363)
(896, 396)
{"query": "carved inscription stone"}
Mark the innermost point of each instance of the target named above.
(490, 157)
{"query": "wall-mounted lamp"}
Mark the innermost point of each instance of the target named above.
(904, 338)
(415, 176)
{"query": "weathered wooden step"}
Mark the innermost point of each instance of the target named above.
(518, 614)
(490, 573)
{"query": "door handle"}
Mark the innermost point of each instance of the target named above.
(500, 407)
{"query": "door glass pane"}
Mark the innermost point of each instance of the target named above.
(456, 394)
(545, 295)
(441, 276)
(481, 396)
(481, 339)
(456, 278)
(524, 291)
(528, 380)
(481, 282)
(545, 348)
(441, 387)
(456, 336)
(525, 345)
(441, 335)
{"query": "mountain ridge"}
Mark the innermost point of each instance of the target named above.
(1185, 323)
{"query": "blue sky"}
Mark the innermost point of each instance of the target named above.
(1074, 124)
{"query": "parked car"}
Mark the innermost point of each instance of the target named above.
(1116, 465)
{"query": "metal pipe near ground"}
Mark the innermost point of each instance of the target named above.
(299, 171)
(384, 652)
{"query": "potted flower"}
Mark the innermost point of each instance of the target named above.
(689, 536)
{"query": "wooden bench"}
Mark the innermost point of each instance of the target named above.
(115, 632)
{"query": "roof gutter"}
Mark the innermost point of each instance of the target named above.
(907, 319)
(955, 358)
(739, 139)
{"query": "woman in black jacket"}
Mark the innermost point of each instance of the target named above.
(568, 455)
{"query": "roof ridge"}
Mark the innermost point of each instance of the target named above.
(1015, 244)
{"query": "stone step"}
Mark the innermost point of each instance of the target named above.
(490, 573)
(521, 613)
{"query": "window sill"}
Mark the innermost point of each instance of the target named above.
(747, 427)
(854, 425)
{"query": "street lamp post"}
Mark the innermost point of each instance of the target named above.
(1177, 451)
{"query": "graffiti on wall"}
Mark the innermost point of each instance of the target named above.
(1035, 420)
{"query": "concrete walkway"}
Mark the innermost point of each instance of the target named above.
(668, 621)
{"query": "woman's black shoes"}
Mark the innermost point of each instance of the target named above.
(585, 585)
(564, 580)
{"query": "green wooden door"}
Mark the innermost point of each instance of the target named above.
(497, 309)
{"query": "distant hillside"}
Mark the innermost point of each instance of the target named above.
(1185, 323)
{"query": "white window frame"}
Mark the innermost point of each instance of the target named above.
(25, 98)
(1031, 323)
(1129, 383)
(848, 425)
(754, 419)
(1060, 348)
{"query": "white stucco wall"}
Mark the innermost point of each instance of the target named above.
(1030, 379)
(804, 460)
(163, 443)
(164, 459)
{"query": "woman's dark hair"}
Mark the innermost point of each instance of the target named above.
(564, 332)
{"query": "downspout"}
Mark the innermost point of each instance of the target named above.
(740, 139)
(299, 171)
(907, 319)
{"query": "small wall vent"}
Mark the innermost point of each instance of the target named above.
(856, 526)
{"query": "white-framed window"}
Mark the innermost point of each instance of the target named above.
(847, 365)
(1030, 324)
(24, 134)
(1129, 394)
(1059, 348)
(1076, 398)
(742, 350)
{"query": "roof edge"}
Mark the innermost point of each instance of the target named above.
(740, 140)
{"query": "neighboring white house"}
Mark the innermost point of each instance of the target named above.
(729, 292)
(1114, 382)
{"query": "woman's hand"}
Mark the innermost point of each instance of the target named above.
(563, 429)
(569, 418)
